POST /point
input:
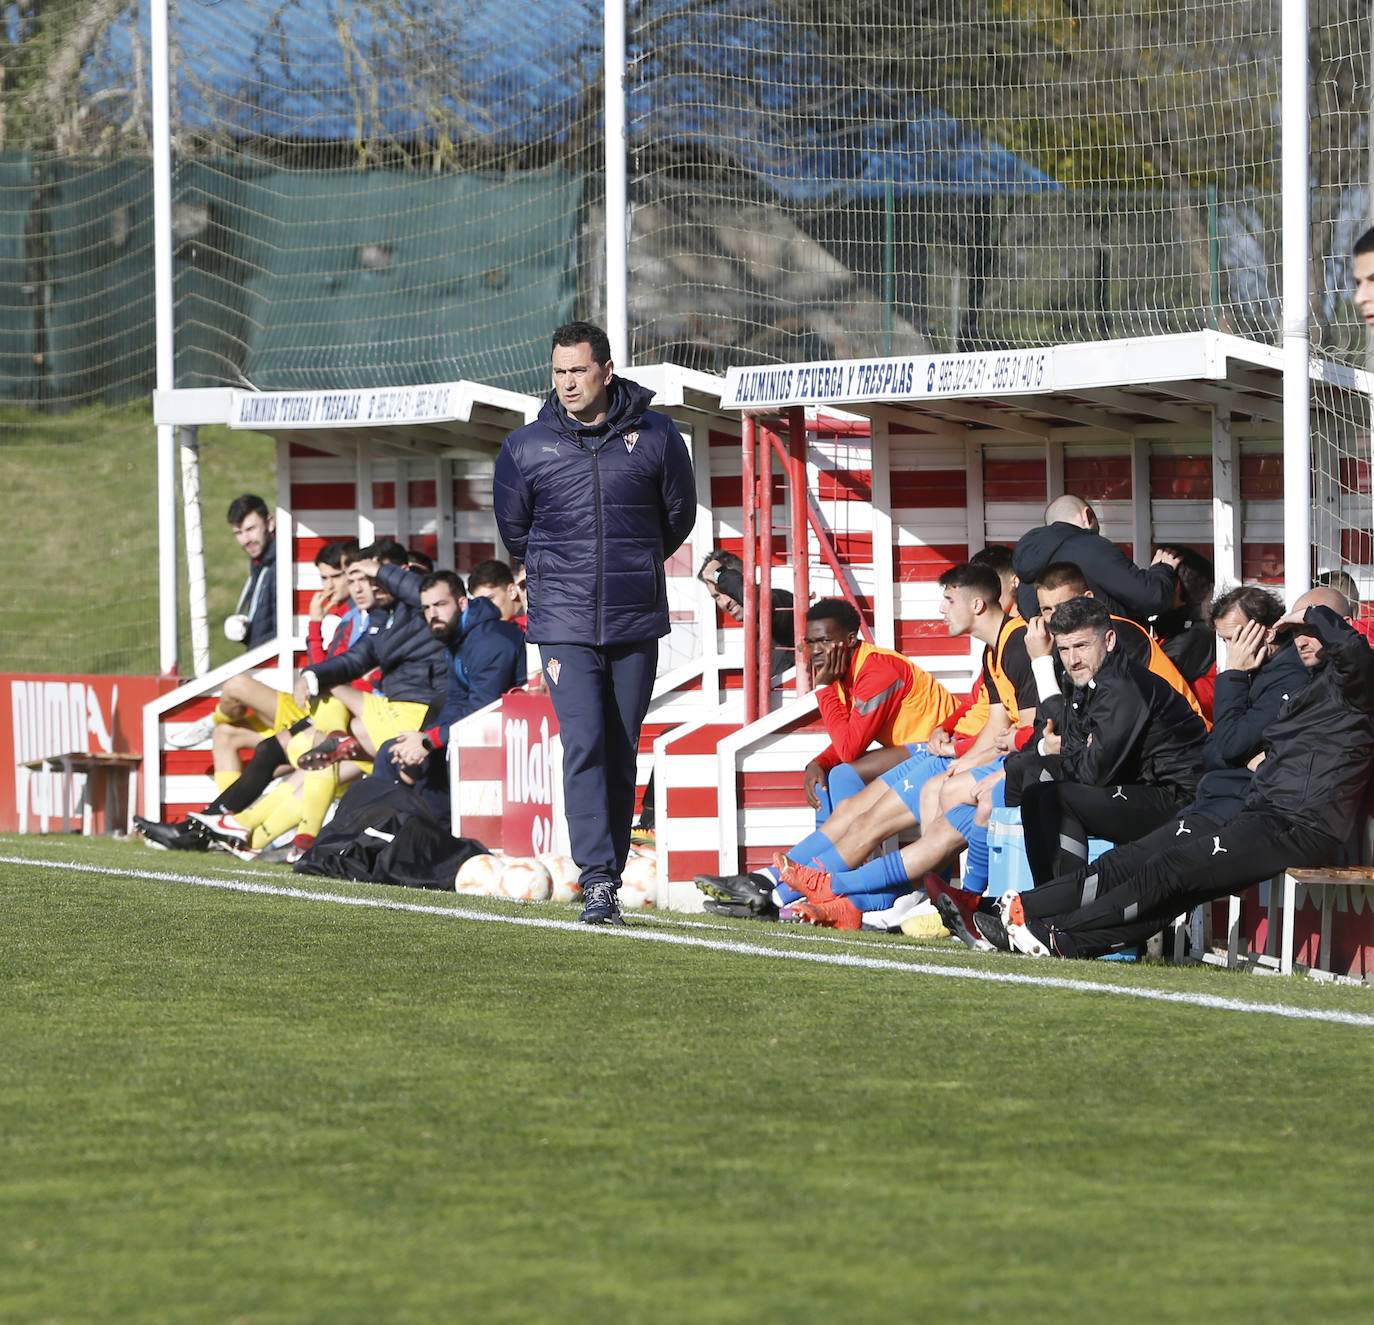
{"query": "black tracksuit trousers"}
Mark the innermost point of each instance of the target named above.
(1059, 817)
(1128, 894)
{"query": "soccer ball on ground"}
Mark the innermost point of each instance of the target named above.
(639, 883)
(525, 879)
(480, 876)
(565, 876)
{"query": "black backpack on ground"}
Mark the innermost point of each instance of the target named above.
(383, 832)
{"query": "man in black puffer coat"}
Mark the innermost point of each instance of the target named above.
(1070, 533)
(1310, 782)
(1119, 751)
(594, 496)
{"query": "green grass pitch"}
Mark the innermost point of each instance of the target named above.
(270, 1106)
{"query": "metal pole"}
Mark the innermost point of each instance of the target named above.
(617, 185)
(749, 526)
(195, 548)
(801, 563)
(1297, 454)
(889, 262)
(164, 312)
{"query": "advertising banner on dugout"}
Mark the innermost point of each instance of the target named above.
(65, 714)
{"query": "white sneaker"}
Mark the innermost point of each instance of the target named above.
(233, 848)
(184, 737)
(222, 828)
(1013, 915)
(909, 904)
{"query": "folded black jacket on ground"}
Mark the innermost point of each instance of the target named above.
(383, 832)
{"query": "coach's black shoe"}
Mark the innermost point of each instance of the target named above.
(753, 891)
(600, 905)
(1028, 936)
(740, 910)
(170, 837)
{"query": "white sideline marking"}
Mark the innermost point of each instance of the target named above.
(744, 948)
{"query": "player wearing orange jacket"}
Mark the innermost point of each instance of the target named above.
(866, 695)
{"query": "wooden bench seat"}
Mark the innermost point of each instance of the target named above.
(1283, 901)
(116, 775)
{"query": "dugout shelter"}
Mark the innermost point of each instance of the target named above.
(862, 478)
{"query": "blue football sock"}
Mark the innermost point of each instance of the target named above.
(841, 783)
(960, 818)
(816, 848)
(976, 865)
(886, 874)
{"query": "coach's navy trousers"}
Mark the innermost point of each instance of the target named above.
(600, 695)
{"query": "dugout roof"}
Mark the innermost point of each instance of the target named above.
(1113, 388)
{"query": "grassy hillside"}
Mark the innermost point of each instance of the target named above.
(78, 544)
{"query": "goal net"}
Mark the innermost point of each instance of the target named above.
(385, 192)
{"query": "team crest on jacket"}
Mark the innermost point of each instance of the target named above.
(553, 667)
(630, 439)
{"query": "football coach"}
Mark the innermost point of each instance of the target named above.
(594, 496)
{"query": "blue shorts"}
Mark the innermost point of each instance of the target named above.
(987, 770)
(909, 777)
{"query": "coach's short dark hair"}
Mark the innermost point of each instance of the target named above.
(1081, 614)
(1365, 243)
(838, 610)
(242, 507)
(578, 333)
(981, 580)
(448, 577)
(1255, 604)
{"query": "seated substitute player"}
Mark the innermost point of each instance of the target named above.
(1119, 748)
(1261, 673)
(335, 621)
(494, 579)
(414, 667)
(866, 695)
(947, 740)
(1310, 782)
(411, 662)
(970, 603)
(487, 656)
(1062, 581)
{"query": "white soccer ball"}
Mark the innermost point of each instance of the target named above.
(638, 883)
(480, 876)
(566, 877)
(525, 880)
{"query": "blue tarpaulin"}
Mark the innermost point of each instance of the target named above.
(742, 88)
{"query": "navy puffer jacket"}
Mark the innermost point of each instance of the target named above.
(594, 513)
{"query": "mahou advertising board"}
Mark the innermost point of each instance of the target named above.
(527, 722)
(65, 714)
